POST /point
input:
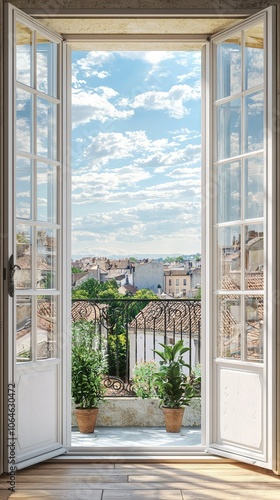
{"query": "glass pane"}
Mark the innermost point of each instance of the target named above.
(46, 192)
(23, 121)
(46, 65)
(228, 129)
(46, 327)
(24, 329)
(229, 67)
(254, 122)
(254, 56)
(229, 328)
(229, 258)
(254, 187)
(228, 180)
(254, 327)
(254, 257)
(23, 54)
(46, 258)
(23, 188)
(46, 128)
(22, 277)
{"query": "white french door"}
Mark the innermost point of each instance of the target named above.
(239, 231)
(241, 261)
(35, 247)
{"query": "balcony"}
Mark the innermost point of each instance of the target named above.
(134, 328)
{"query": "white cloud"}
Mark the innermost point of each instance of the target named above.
(106, 92)
(187, 76)
(107, 146)
(87, 106)
(153, 57)
(185, 172)
(93, 59)
(173, 101)
(190, 59)
(42, 202)
(185, 134)
(142, 159)
(91, 187)
(146, 222)
(23, 194)
(100, 74)
(23, 64)
(126, 191)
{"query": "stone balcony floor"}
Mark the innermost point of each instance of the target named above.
(131, 437)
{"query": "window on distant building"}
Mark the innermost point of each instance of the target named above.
(177, 282)
(170, 283)
(184, 282)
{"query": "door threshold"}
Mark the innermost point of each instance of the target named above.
(199, 457)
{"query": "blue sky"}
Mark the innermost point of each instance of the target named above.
(136, 153)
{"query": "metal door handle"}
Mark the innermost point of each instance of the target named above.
(11, 271)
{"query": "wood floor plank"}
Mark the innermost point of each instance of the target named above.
(72, 472)
(59, 464)
(232, 495)
(57, 495)
(142, 495)
(85, 479)
(199, 477)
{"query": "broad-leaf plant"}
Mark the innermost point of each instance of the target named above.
(172, 384)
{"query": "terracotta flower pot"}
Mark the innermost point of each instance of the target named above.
(86, 418)
(173, 418)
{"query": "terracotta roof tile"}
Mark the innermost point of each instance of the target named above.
(169, 316)
(86, 310)
(231, 281)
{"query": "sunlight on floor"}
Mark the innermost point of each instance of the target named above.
(136, 436)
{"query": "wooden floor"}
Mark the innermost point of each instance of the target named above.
(138, 481)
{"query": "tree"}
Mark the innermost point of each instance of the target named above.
(117, 316)
(136, 307)
(92, 289)
(180, 259)
(75, 270)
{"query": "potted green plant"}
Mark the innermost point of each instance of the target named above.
(89, 364)
(173, 386)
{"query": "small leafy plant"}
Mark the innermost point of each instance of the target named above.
(172, 385)
(195, 378)
(143, 382)
(89, 364)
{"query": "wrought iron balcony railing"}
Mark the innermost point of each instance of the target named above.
(134, 328)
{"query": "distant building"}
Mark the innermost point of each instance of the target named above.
(148, 274)
(177, 282)
(127, 290)
(97, 274)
